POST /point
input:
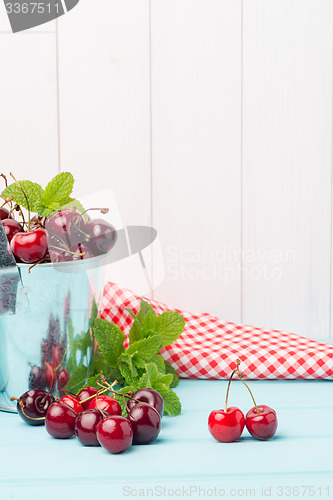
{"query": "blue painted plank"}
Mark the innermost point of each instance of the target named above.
(185, 454)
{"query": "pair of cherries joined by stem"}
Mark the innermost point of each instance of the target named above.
(227, 425)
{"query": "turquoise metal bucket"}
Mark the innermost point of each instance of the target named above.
(53, 336)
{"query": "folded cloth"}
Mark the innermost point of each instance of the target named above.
(209, 347)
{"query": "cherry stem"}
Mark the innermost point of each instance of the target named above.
(26, 199)
(248, 388)
(5, 179)
(94, 395)
(126, 394)
(22, 409)
(62, 360)
(7, 201)
(102, 210)
(61, 249)
(98, 407)
(36, 263)
(228, 388)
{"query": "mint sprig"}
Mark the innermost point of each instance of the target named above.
(32, 190)
(141, 365)
(44, 201)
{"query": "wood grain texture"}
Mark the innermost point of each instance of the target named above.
(28, 125)
(287, 130)
(104, 102)
(196, 152)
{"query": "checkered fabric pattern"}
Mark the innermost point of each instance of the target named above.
(209, 347)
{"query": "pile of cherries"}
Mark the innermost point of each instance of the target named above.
(66, 235)
(95, 418)
(227, 425)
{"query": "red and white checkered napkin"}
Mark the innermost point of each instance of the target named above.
(209, 347)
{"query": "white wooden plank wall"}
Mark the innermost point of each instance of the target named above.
(287, 116)
(212, 121)
(196, 138)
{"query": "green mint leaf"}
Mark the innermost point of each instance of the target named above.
(135, 332)
(128, 370)
(93, 313)
(58, 189)
(99, 364)
(83, 342)
(42, 210)
(138, 361)
(110, 340)
(149, 323)
(91, 382)
(172, 405)
(78, 379)
(120, 398)
(165, 379)
(159, 361)
(33, 191)
(145, 308)
(170, 325)
(170, 369)
(149, 377)
(146, 348)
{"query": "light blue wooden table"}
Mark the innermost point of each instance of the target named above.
(185, 462)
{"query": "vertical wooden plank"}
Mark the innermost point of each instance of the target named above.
(287, 164)
(104, 102)
(196, 151)
(28, 125)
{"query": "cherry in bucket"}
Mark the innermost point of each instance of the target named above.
(32, 246)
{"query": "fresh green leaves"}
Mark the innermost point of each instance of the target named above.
(110, 340)
(32, 190)
(141, 365)
(170, 325)
(58, 189)
(44, 202)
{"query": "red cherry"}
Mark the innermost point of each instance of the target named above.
(86, 426)
(66, 224)
(5, 214)
(73, 402)
(30, 247)
(102, 236)
(115, 433)
(11, 227)
(60, 420)
(63, 378)
(86, 393)
(261, 425)
(146, 423)
(150, 396)
(106, 403)
(80, 251)
(226, 426)
(33, 405)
